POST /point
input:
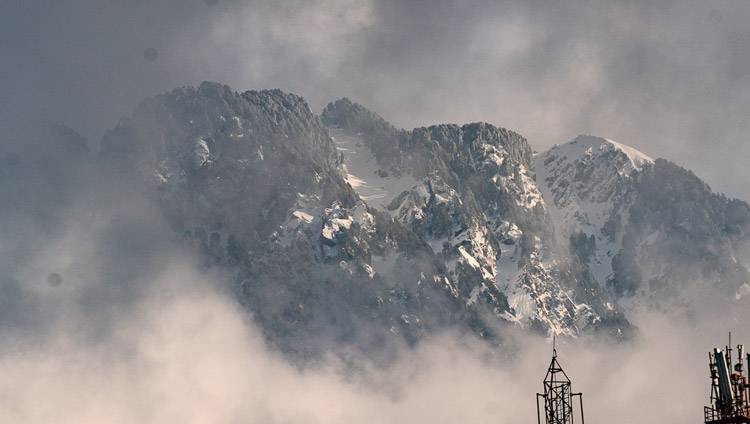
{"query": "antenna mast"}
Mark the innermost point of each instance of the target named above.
(729, 389)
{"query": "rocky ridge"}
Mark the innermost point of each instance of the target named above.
(477, 205)
(337, 223)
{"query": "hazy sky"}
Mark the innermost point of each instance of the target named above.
(670, 78)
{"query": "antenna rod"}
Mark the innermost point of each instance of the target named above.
(554, 351)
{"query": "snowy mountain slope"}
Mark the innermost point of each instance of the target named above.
(587, 183)
(372, 184)
(478, 207)
(648, 230)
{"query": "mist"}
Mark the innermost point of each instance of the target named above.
(104, 316)
(186, 352)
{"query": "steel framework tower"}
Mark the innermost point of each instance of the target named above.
(558, 397)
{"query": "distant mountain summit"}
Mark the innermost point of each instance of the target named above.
(650, 231)
(588, 187)
(341, 228)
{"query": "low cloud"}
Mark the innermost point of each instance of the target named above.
(185, 351)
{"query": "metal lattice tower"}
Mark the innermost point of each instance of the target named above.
(558, 397)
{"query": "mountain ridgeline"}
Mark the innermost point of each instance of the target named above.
(341, 228)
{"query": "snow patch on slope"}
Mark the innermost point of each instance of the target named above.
(362, 172)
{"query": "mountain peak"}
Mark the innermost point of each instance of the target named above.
(587, 146)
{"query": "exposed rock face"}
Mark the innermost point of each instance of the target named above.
(476, 203)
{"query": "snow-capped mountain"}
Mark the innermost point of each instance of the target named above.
(650, 231)
(338, 223)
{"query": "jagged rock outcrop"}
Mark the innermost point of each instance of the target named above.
(473, 198)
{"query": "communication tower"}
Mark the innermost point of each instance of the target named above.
(729, 388)
(558, 397)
